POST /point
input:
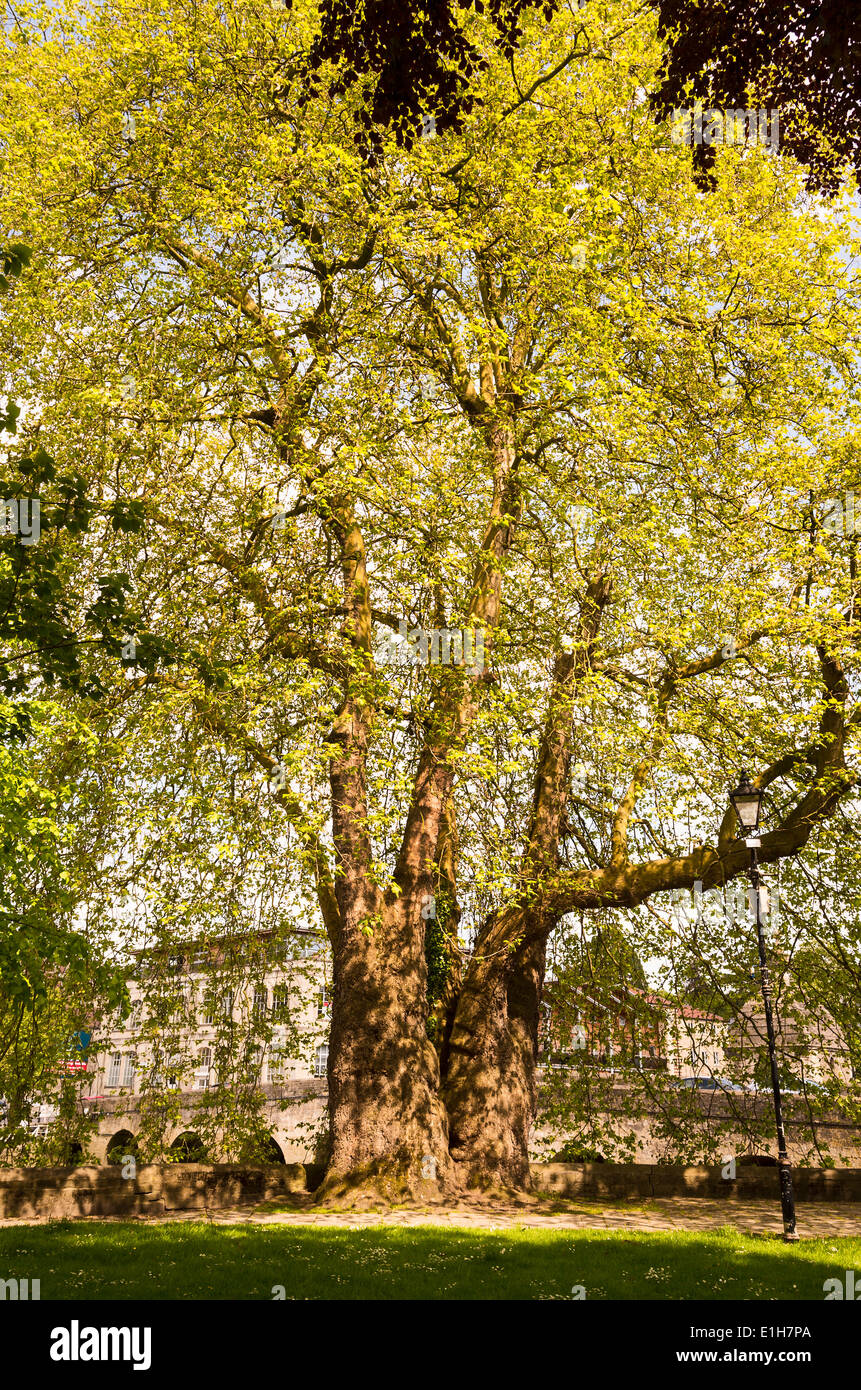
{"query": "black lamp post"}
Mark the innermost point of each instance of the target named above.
(747, 801)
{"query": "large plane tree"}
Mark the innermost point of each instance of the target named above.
(520, 386)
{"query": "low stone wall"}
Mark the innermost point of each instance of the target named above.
(158, 1189)
(629, 1180)
(55, 1193)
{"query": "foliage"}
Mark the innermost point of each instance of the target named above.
(527, 378)
(799, 58)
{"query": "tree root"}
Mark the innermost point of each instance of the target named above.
(380, 1185)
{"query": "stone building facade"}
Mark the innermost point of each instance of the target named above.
(270, 1019)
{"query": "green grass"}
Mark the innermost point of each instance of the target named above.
(108, 1260)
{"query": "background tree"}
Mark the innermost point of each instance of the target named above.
(801, 58)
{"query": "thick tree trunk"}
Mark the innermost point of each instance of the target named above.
(389, 1130)
(388, 1123)
(489, 1087)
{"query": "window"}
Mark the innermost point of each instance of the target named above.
(199, 962)
(276, 952)
(174, 1067)
(114, 1066)
(261, 1003)
(281, 1004)
(253, 1064)
(324, 1000)
(201, 1074)
(134, 1018)
(129, 1073)
(321, 1060)
(277, 1064)
(218, 1006)
(175, 964)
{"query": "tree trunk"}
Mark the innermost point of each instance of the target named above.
(389, 1131)
(489, 1087)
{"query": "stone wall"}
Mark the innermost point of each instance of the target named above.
(644, 1180)
(159, 1189)
(717, 1119)
(295, 1113)
(155, 1189)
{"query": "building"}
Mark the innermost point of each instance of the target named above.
(242, 1012)
(810, 1050)
(631, 1027)
(695, 1042)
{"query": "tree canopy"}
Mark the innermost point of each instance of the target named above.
(521, 379)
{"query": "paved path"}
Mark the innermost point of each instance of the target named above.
(657, 1214)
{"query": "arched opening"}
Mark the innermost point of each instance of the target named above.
(261, 1150)
(573, 1152)
(188, 1148)
(121, 1145)
(274, 1152)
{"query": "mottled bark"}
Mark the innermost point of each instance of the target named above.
(389, 1130)
(388, 1122)
(489, 1088)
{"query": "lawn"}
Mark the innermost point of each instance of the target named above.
(108, 1260)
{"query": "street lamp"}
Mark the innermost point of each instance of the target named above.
(747, 801)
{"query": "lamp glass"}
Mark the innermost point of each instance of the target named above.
(747, 801)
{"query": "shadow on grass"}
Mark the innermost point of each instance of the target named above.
(196, 1261)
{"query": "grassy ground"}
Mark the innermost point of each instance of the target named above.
(201, 1261)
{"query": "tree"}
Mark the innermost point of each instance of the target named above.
(521, 385)
(45, 624)
(797, 57)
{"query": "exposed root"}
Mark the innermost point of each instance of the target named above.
(378, 1186)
